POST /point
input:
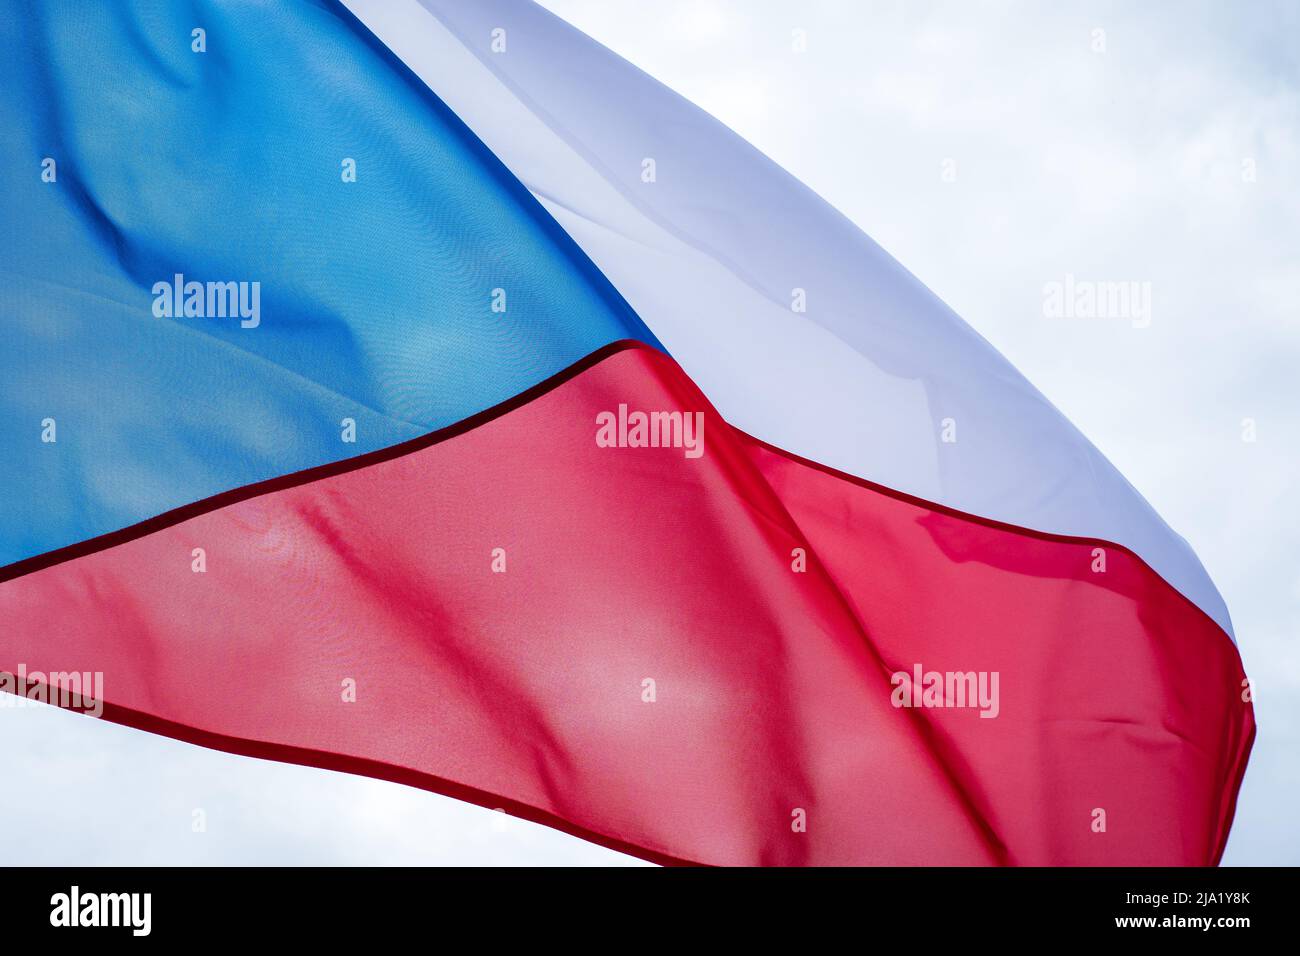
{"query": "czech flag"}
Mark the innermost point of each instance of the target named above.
(413, 388)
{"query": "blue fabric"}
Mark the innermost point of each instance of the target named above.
(225, 165)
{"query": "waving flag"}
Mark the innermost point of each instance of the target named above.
(416, 389)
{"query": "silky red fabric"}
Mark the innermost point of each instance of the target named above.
(772, 693)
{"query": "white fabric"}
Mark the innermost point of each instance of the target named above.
(709, 255)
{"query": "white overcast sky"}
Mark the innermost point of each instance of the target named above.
(1120, 165)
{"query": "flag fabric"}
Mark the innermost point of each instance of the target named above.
(414, 388)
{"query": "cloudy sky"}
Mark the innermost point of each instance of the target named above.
(992, 148)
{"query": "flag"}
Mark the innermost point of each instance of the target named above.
(416, 389)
